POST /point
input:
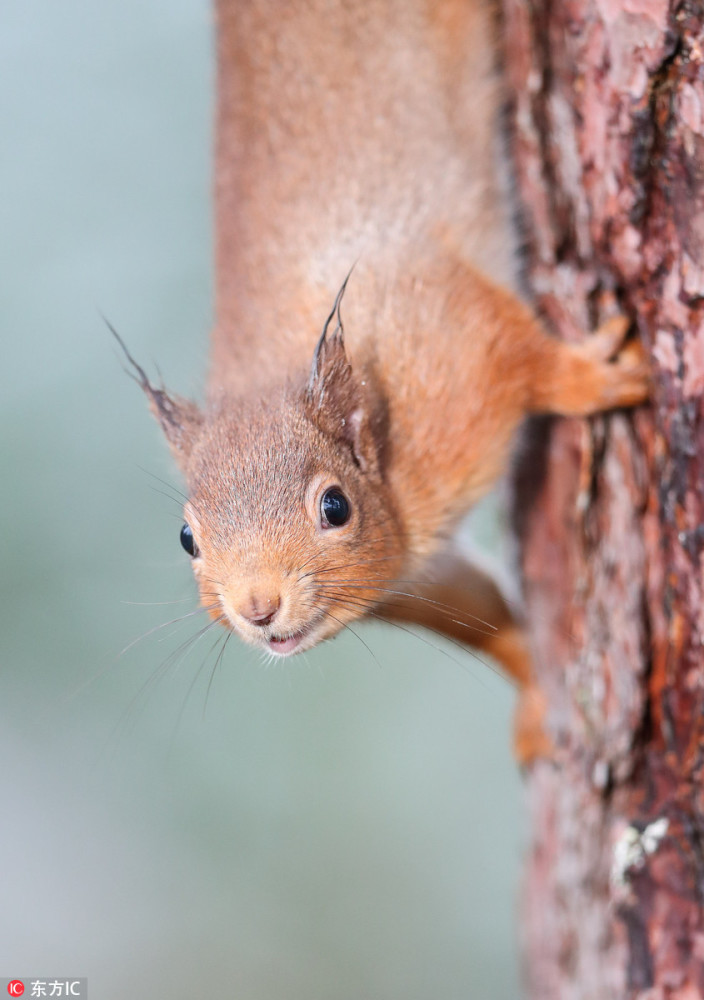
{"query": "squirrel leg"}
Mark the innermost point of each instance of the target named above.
(466, 604)
(599, 374)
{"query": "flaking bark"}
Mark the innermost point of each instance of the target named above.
(608, 130)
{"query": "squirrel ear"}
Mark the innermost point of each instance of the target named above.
(335, 398)
(180, 419)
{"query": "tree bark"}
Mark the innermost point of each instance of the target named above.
(608, 128)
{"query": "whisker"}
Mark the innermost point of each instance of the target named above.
(157, 628)
(417, 597)
(218, 661)
(156, 604)
(389, 621)
(315, 555)
(172, 660)
(355, 634)
(515, 605)
(180, 497)
(439, 649)
(443, 610)
(168, 496)
(191, 686)
(93, 678)
(164, 482)
(354, 565)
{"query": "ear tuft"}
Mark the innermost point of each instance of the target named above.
(329, 353)
(180, 419)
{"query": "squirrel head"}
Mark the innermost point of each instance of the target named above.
(290, 524)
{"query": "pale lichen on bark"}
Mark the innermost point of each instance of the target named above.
(608, 127)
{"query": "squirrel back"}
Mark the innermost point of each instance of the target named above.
(346, 132)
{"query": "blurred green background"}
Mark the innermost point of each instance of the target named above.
(338, 827)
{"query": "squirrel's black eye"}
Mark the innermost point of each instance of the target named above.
(334, 508)
(188, 541)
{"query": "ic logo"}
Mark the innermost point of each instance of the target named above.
(15, 988)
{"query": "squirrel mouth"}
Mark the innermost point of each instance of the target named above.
(287, 644)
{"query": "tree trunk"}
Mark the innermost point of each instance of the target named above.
(608, 128)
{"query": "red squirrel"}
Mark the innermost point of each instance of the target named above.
(358, 193)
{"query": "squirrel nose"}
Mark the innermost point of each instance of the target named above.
(259, 610)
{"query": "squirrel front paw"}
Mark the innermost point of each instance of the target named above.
(601, 373)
